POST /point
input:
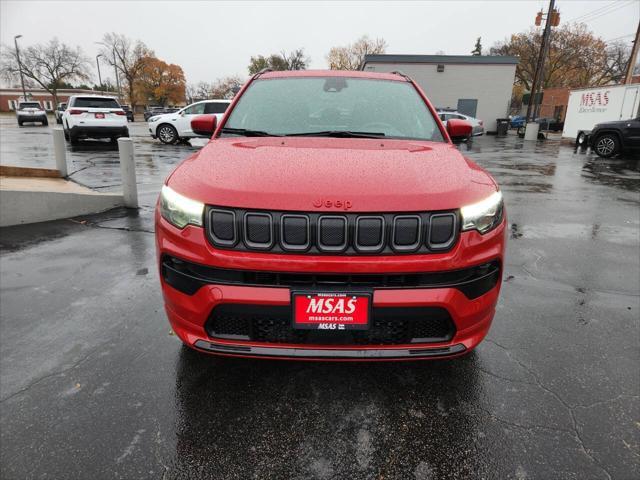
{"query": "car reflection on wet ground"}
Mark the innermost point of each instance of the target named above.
(94, 385)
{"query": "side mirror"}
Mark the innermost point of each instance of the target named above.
(204, 125)
(459, 130)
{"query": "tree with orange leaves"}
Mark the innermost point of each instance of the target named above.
(160, 83)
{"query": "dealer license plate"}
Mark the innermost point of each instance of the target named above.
(99, 115)
(331, 310)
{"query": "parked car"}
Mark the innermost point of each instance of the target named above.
(360, 233)
(94, 116)
(170, 128)
(59, 111)
(550, 124)
(129, 112)
(152, 111)
(446, 115)
(517, 122)
(29, 111)
(612, 138)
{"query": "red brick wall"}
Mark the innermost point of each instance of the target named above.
(554, 101)
(6, 95)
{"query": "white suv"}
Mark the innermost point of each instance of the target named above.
(94, 116)
(31, 111)
(445, 115)
(172, 127)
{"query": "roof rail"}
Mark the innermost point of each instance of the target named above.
(264, 70)
(402, 74)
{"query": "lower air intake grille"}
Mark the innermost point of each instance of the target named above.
(272, 324)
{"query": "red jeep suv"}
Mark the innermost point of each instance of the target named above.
(330, 217)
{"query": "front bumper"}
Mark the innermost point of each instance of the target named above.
(189, 313)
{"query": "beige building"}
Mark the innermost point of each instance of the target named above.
(479, 86)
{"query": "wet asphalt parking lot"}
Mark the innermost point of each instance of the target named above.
(94, 385)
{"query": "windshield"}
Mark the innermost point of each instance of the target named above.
(29, 105)
(92, 102)
(289, 106)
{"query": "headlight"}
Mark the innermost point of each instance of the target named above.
(154, 119)
(180, 210)
(484, 215)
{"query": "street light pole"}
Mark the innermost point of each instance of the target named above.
(15, 41)
(117, 79)
(115, 67)
(99, 77)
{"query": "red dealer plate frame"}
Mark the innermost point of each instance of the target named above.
(99, 115)
(334, 315)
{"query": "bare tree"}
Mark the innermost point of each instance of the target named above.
(196, 92)
(350, 57)
(295, 60)
(226, 87)
(577, 58)
(50, 65)
(129, 59)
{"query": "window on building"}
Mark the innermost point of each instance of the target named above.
(12, 104)
(48, 105)
(557, 112)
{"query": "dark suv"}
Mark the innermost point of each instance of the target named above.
(611, 138)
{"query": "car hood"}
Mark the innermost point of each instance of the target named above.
(163, 116)
(301, 173)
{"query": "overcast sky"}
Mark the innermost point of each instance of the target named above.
(214, 39)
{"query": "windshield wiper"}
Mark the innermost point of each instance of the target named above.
(338, 134)
(248, 133)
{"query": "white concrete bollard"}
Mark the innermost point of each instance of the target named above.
(531, 132)
(128, 171)
(60, 151)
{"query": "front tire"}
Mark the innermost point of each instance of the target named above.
(607, 145)
(45, 122)
(167, 134)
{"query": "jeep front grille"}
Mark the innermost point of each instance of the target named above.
(331, 233)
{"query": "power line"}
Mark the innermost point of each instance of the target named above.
(597, 10)
(597, 14)
(619, 38)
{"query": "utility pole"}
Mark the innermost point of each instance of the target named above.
(99, 77)
(15, 41)
(633, 58)
(544, 48)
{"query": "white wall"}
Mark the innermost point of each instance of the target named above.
(490, 84)
(586, 107)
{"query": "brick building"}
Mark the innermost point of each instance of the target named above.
(554, 103)
(9, 97)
